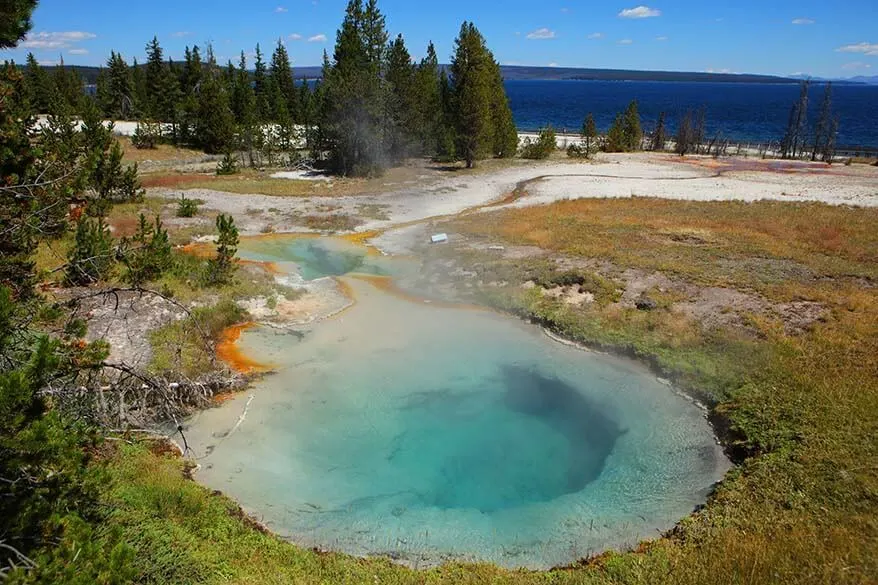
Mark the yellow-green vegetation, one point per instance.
(162, 152)
(187, 346)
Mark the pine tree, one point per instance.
(260, 88)
(15, 21)
(353, 119)
(283, 96)
(589, 134)
(658, 136)
(120, 100)
(39, 85)
(147, 255)
(402, 112)
(504, 130)
(471, 73)
(157, 80)
(243, 105)
(139, 90)
(221, 268)
(191, 77)
(214, 125)
(625, 134)
(428, 101)
(68, 88)
(446, 130)
(91, 257)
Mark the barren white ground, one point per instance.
(641, 175)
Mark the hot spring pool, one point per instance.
(429, 433)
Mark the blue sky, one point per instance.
(815, 37)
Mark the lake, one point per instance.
(741, 111)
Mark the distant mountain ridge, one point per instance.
(521, 73)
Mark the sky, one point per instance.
(780, 37)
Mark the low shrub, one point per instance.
(187, 207)
(542, 147)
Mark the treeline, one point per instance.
(373, 107)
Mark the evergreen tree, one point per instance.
(283, 96)
(471, 72)
(191, 77)
(221, 268)
(504, 130)
(157, 79)
(589, 134)
(14, 21)
(38, 84)
(139, 90)
(147, 254)
(260, 88)
(659, 138)
(243, 104)
(119, 96)
(68, 88)
(446, 132)
(214, 125)
(402, 97)
(91, 257)
(353, 119)
(428, 101)
(625, 134)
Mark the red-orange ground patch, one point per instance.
(228, 351)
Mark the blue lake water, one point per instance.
(741, 111)
(428, 433)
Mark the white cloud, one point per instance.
(281, 9)
(553, 64)
(856, 65)
(47, 63)
(78, 51)
(718, 71)
(541, 34)
(803, 21)
(321, 38)
(565, 10)
(626, 42)
(661, 38)
(55, 40)
(870, 49)
(595, 36)
(295, 37)
(180, 34)
(640, 12)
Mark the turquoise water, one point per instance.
(428, 433)
(314, 258)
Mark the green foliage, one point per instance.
(15, 21)
(146, 135)
(541, 148)
(470, 71)
(221, 268)
(187, 346)
(625, 134)
(355, 94)
(40, 90)
(187, 207)
(92, 255)
(659, 135)
(147, 254)
(214, 125)
(227, 166)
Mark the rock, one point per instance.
(645, 303)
